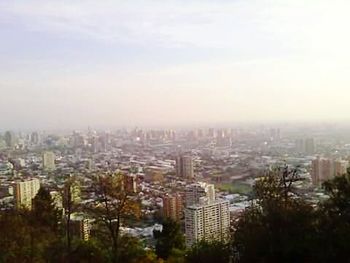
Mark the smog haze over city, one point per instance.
(174, 131)
(71, 64)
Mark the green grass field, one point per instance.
(235, 188)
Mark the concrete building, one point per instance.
(49, 161)
(154, 174)
(207, 221)
(130, 183)
(71, 194)
(10, 139)
(310, 148)
(6, 168)
(34, 138)
(173, 207)
(184, 167)
(80, 226)
(323, 169)
(340, 167)
(306, 146)
(25, 191)
(223, 142)
(57, 199)
(197, 191)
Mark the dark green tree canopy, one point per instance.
(279, 225)
(171, 237)
(208, 252)
(44, 212)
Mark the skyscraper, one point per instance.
(310, 146)
(340, 167)
(306, 146)
(184, 167)
(10, 139)
(173, 207)
(195, 192)
(34, 138)
(25, 191)
(323, 169)
(49, 161)
(210, 221)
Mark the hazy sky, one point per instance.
(112, 63)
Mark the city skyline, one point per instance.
(111, 64)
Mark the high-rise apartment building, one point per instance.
(184, 167)
(340, 167)
(223, 140)
(25, 191)
(80, 226)
(299, 145)
(323, 169)
(49, 161)
(306, 146)
(34, 138)
(173, 207)
(199, 191)
(10, 139)
(208, 221)
(71, 194)
(310, 146)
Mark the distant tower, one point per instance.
(10, 139)
(299, 146)
(173, 207)
(184, 167)
(49, 161)
(323, 169)
(340, 167)
(34, 138)
(310, 146)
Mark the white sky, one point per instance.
(116, 63)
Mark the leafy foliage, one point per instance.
(14, 237)
(207, 252)
(334, 221)
(112, 206)
(278, 226)
(169, 238)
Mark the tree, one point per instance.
(207, 252)
(112, 207)
(279, 226)
(132, 250)
(44, 211)
(334, 221)
(170, 238)
(29, 235)
(43, 222)
(86, 252)
(14, 237)
(71, 197)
